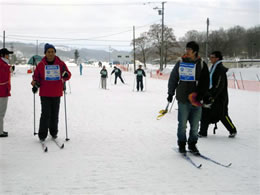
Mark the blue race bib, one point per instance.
(52, 72)
(187, 71)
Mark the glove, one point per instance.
(13, 68)
(169, 98)
(36, 87)
(65, 75)
(193, 99)
(208, 99)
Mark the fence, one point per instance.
(232, 82)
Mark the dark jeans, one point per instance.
(191, 114)
(49, 116)
(119, 77)
(139, 82)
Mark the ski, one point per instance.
(191, 161)
(216, 162)
(58, 143)
(185, 156)
(44, 147)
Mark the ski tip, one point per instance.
(62, 146)
(46, 149)
(229, 165)
(199, 166)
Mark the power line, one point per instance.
(71, 4)
(33, 37)
(203, 6)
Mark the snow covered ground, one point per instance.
(118, 147)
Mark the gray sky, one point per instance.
(110, 22)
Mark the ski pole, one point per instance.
(65, 110)
(145, 87)
(172, 104)
(34, 133)
(99, 83)
(134, 84)
(69, 86)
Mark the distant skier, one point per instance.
(104, 76)
(100, 64)
(139, 78)
(216, 100)
(50, 75)
(80, 68)
(118, 73)
(5, 86)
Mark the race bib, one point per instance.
(52, 72)
(104, 73)
(187, 71)
(139, 73)
(116, 70)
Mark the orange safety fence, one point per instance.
(244, 85)
(159, 75)
(122, 67)
(232, 83)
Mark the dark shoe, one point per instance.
(54, 137)
(182, 150)
(3, 135)
(4, 132)
(193, 149)
(42, 140)
(232, 135)
(201, 135)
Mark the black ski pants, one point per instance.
(120, 79)
(139, 82)
(49, 117)
(226, 121)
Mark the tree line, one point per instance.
(235, 42)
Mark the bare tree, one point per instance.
(170, 42)
(142, 48)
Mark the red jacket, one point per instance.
(5, 79)
(50, 77)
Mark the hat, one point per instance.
(5, 51)
(193, 45)
(48, 46)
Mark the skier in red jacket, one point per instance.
(5, 86)
(50, 75)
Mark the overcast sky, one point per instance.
(110, 22)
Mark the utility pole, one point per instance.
(134, 46)
(162, 45)
(4, 39)
(207, 41)
(161, 12)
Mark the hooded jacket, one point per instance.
(184, 88)
(51, 85)
(5, 79)
(219, 92)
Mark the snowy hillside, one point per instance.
(118, 147)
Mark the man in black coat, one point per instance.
(216, 101)
(139, 78)
(189, 76)
(118, 73)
